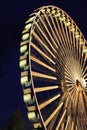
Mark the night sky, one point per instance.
(13, 15)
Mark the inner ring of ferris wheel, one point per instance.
(57, 59)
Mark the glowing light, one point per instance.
(25, 36)
(83, 82)
(36, 125)
(23, 63)
(84, 49)
(62, 18)
(31, 115)
(67, 23)
(28, 26)
(27, 97)
(23, 48)
(24, 79)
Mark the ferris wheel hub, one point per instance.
(79, 85)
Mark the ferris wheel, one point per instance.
(53, 64)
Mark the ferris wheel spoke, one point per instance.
(68, 83)
(62, 126)
(59, 30)
(61, 57)
(44, 35)
(83, 103)
(72, 125)
(53, 33)
(80, 52)
(62, 35)
(56, 31)
(71, 40)
(45, 88)
(52, 122)
(54, 113)
(59, 60)
(67, 77)
(61, 119)
(77, 46)
(42, 43)
(41, 75)
(40, 29)
(76, 128)
(41, 52)
(71, 88)
(73, 93)
(67, 122)
(66, 46)
(84, 72)
(83, 62)
(68, 73)
(47, 102)
(81, 57)
(62, 50)
(42, 63)
(51, 37)
(85, 76)
(85, 96)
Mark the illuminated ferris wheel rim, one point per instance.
(42, 9)
(30, 43)
(59, 9)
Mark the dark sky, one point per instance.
(13, 15)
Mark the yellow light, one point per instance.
(58, 14)
(62, 18)
(82, 41)
(31, 115)
(53, 11)
(36, 125)
(67, 23)
(25, 36)
(27, 98)
(72, 29)
(23, 63)
(43, 10)
(77, 36)
(31, 19)
(83, 82)
(84, 49)
(28, 26)
(24, 79)
(23, 48)
(48, 10)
